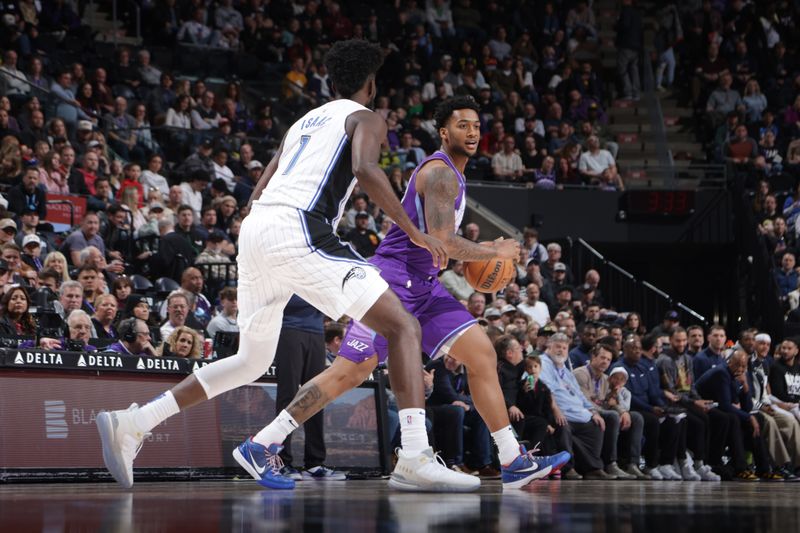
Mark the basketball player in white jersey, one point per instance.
(288, 246)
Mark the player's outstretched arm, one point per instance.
(367, 130)
(439, 186)
(272, 166)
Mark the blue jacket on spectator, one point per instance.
(652, 373)
(705, 360)
(719, 385)
(643, 395)
(579, 357)
(787, 281)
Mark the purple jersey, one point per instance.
(397, 244)
(411, 275)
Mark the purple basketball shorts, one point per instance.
(441, 317)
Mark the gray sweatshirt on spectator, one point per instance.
(723, 101)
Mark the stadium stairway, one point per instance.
(654, 131)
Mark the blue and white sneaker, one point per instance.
(528, 467)
(292, 473)
(323, 473)
(264, 464)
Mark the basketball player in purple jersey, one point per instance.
(435, 202)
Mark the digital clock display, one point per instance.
(659, 203)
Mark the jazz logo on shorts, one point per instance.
(354, 273)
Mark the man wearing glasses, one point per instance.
(134, 339)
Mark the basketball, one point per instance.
(489, 276)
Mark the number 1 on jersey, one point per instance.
(303, 143)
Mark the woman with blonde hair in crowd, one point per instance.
(182, 342)
(105, 313)
(57, 262)
(10, 159)
(130, 201)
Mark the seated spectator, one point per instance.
(70, 297)
(217, 274)
(178, 309)
(723, 100)
(175, 252)
(28, 194)
(93, 286)
(533, 307)
(225, 321)
(121, 289)
(631, 422)
(15, 318)
(706, 426)
(194, 31)
(595, 387)
(208, 226)
(712, 356)
(545, 177)
(662, 432)
(205, 116)
(581, 425)
(132, 172)
(86, 235)
(360, 205)
(784, 375)
(192, 191)
(580, 355)
(244, 187)
(453, 280)
(182, 342)
(202, 311)
(786, 277)
(723, 385)
(507, 164)
(741, 149)
(104, 316)
(120, 131)
(31, 252)
(50, 174)
(79, 331)
(597, 166)
(450, 387)
(364, 240)
(134, 339)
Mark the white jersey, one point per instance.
(315, 171)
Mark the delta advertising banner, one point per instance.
(47, 420)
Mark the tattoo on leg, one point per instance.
(307, 402)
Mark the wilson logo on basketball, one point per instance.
(492, 276)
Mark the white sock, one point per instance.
(155, 411)
(413, 437)
(277, 430)
(507, 445)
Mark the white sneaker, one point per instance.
(427, 472)
(688, 473)
(121, 443)
(669, 473)
(706, 474)
(654, 474)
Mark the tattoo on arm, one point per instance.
(308, 401)
(440, 191)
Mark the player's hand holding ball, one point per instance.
(494, 274)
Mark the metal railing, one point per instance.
(623, 291)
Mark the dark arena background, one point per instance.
(645, 154)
